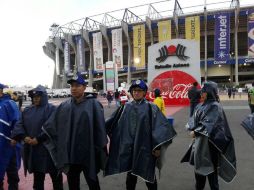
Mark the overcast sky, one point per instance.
(25, 28)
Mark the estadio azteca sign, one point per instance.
(172, 67)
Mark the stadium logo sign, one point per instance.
(172, 50)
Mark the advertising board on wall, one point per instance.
(80, 54)
(97, 51)
(117, 47)
(251, 33)
(173, 66)
(222, 38)
(67, 58)
(110, 76)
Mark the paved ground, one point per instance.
(176, 176)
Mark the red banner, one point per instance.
(174, 86)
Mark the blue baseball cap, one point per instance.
(138, 83)
(2, 86)
(78, 79)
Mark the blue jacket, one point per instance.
(9, 114)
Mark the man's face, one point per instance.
(138, 93)
(77, 90)
(36, 100)
(203, 96)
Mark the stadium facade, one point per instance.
(84, 45)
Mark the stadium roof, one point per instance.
(137, 14)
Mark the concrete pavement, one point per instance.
(177, 176)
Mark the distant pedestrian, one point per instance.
(18, 98)
(159, 101)
(37, 159)
(194, 97)
(251, 98)
(109, 98)
(117, 97)
(229, 92)
(233, 92)
(240, 91)
(10, 157)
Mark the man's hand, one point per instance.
(27, 140)
(13, 142)
(192, 134)
(34, 141)
(156, 153)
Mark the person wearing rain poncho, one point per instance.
(212, 152)
(10, 157)
(139, 134)
(77, 130)
(37, 159)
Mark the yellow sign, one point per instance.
(192, 28)
(164, 30)
(139, 46)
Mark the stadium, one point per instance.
(84, 45)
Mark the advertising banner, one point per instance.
(172, 67)
(80, 55)
(251, 33)
(110, 78)
(67, 58)
(57, 61)
(117, 47)
(164, 30)
(222, 38)
(98, 51)
(139, 46)
(192, 28)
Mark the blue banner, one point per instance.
(80, 55)
(67, 64)
(251, 33)
(222, 38)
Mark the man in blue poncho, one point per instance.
(139, 135)
(37, 159)
(9, 155)
(212, 152)
(77, 129)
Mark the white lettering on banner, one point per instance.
(223, 32)
(193, 28)
(178, 91)
(220, 62)
(249, 60)
(139, 42)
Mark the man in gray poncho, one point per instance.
(139, 133)
(77, 128)
(212, 152)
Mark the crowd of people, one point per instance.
(132, 140)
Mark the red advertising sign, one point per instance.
(174, 86)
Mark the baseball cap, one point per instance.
(78, 79)
(2, 86)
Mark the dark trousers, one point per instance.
(73, 178)
(251, 108)
(212, 178)
(39, 179)
(131, 182)
(192, 107)
(12, 174)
